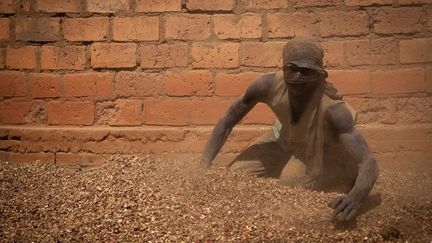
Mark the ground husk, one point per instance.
(147, 199)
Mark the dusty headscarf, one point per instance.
(304, 52)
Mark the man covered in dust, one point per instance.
(313, 143)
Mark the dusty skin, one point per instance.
(142, 199)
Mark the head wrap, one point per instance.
(304, 52)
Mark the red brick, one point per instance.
(260, 114)
(139, 141)
(98, 85)
(234, 84)
(62, 134)
(412, 110)
(416, 50)
(220, 55)
(2, 58)
(429, 19)
(68, 57)
(107, 6)
(257, 54)
(37, 29)
(167, 112)
(398, 20)
(316, 3)
(4, 156)
(429, 79)
(400, 81)
(85, 29)
(37, 113)
(300, 24)
(4, 28)
(25, 6)
(39, 142)
(263, 4)
(105, 112)
(11, 145)
(59, 6)
(44, 85)
(164, 56)
(158, 6)
(205, 112)
(31, 157)
(21, 57)
(136, 147)
(7, 6)
(210, 5)
(399, 134)
(154, 134)
(189, 83)
(113, 55)
(237, 26)
(333, 53)
(12, 84)
(128, 114)
(70, 113)
(371, 111)
(133, 84)
(117, 147)
(414, 1)
(371, 52)
(140, 28)
(187, 27)
(367, 2)
(350, 82)
(14, 112)
(344, 23)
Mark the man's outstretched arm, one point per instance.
(255, 93)
(345, 207)
(223, 128)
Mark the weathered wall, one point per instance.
(82, 79)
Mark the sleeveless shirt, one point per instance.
(309, 133)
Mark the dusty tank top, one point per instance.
(309, 132)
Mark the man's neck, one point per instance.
(299, 104)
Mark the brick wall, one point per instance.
(83, 79)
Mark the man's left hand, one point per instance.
(345, 208)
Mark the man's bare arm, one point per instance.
(346, 207)
(255, 93)
(223, 128)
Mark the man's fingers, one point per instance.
(351, 214)
(335, 202)
(344, 208)
(341, 206)
(343, 215)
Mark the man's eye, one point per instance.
(294, 70)
(307, 72)
(291, 69)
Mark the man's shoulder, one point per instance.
(269, 77)
(264, 84)
(340, 116)
(260, 89)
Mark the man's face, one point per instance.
(300, 80)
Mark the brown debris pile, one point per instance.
(145, 199)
